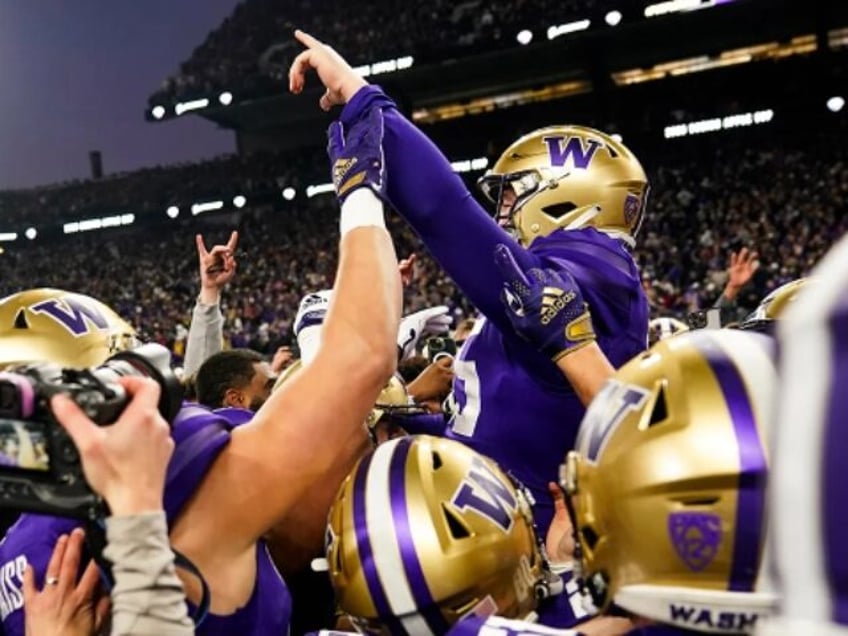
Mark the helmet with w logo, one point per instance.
(51, 325)
(567, 177)
(425, 531)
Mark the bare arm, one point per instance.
(587, 370)
(306, 436)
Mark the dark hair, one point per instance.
(410, 368)
(222, 371)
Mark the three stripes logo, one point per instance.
(553, 301)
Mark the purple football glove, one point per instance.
(356, 155)
(545, 307)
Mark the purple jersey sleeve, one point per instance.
(424, 424)
(30, 541)
(438, 206)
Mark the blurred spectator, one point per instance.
(784, 202)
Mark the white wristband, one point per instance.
(361, 209)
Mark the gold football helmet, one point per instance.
(52, 325)
(662, 328)
(773, 306)
(668, 482)
(567, 177)
(287, 373)
(424, 531)
(393, 399)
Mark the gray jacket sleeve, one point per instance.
(724, 302)
(148, 598)
(205, 336)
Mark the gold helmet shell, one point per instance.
(287, 373)
(665, 327)
(392, 399)
(425, 530)
(57, 326)
(668, 482)
(568, 177)
(774, 305)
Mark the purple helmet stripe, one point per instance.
(833, 491)
(411, 565)
(366, 554)
(753, 468)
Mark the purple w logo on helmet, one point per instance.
(560, 148)
(73, 314)
(485, 493)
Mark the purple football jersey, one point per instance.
(510, 401)
(199, 436)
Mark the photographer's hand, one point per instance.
(124, 462)
(64, 607)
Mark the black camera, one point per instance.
(438, 346)
(40, 469)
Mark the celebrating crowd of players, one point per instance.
(524, 511)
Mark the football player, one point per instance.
(567, 198)
(809, 498)
(667, 484)
(427, 537)
(227, 486)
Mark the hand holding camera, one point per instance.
(125, 463)
(115, 416)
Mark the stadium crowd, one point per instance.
(251, 49)
(784, 203)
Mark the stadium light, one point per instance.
(617, 137)
(8, 236)
(613, 18)
(226, 98)
(289, 193)
(525, 36)
(470, 165)
(31, 233)
(158, 112)
(195, 104)
(200, 208)
(172, 211)
(386, 66)
(239, 201)
(836, 103)
(569, 27)
(714, 124)
(87, 225)
(321, 188)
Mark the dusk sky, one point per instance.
(75, 76)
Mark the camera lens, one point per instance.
(8, 398)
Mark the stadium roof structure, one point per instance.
(594, 61)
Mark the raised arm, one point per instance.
(306, 437)
(206, 331)
(423, 188)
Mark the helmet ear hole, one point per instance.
(20, 320)
(457, 528)
(660, 412)
(437, 461)
(589, 536)
(559, 210)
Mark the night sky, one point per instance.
(75, 76)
